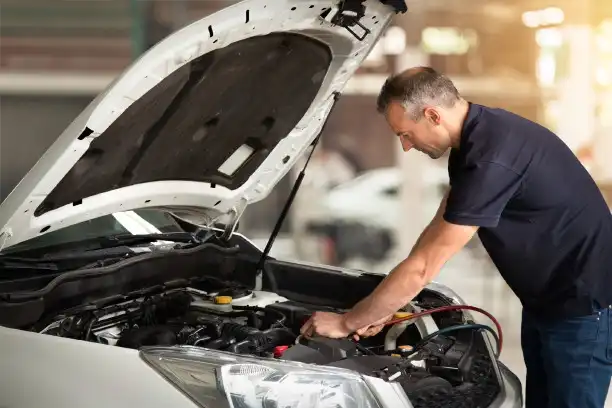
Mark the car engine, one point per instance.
(450, 370)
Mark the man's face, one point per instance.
(427, 135)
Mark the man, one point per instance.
(539, 215)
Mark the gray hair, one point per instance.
(415, 88)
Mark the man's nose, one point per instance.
(406, 145)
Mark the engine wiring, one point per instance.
(499, 337)
(473, 326)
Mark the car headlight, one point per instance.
(215, 379)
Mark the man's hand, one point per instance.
(333, 325)
(325, 324)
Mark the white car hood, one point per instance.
(255, 80)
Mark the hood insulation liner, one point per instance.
(240, 100)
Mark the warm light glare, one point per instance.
(549, 37)
(603, 48)
(448, 40)
(395, 41)
(603, 77)
(552, 15)
(545, 17)
(606, 26)
(546, 69)
(550, 40)
(603, 44)
(603, 37)
(531, 19)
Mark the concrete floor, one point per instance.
(479, 284)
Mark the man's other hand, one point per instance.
(326, 324)
(372, 329)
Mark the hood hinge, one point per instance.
(348, 15)
(236, 213)
(350, 12)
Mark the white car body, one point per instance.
(372, 198)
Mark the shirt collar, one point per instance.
(471, 120)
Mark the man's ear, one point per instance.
(432, 116)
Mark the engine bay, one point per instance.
(435, 365)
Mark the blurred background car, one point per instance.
(358, 219)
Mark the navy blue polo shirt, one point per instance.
(542, 218)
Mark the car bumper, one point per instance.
(511, 395)
(391, 395)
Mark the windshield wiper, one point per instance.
(128, 239)
(9, 265)
(79, 259)
(28, 263)
(66, 256)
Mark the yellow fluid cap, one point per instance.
(223, 300)
(400, 315)
(406, 348)
(395, 355)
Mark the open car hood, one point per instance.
(205, 122)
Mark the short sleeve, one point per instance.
(479, 193)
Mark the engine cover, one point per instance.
(320, 350)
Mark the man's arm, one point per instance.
(437, 244)
(477, 198)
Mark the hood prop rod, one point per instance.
(296, 186)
